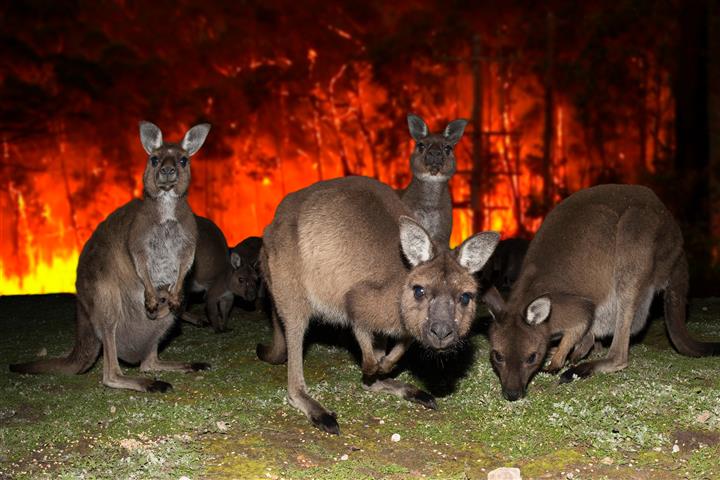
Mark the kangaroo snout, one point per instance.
(434, 161)
(513, 394)
(167, 175)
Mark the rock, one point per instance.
(113, 409)
(221, 426)
(344, 457)
(703, 417)
(676, 448)
(606, 461)
(395, 437)
(42, 352)
(505, 473)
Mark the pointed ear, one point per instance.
(150, 136)
(235, 260)
(494, 302)
(474, 252)
(538, 311)
(418, 127)
(454, 130)
(194, 138)
(415, 241)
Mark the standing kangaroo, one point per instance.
(433, 164)
(131, 271)
(220, 274)
(335, 250)
(591, 272)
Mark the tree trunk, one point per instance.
(549, 130)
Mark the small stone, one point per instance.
(42, 352)
(344, 457)
(113, 409)
(221, 426)
(606, 461)
(505, 473)
(703, 417)
(184, 478)
(382, 422)
(676, 448)
(395, 437)
(704, 309)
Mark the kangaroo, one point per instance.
(248, 252)
(131, 271)
(433, 164)
(335, 250)
(591, 272)
(220, 274)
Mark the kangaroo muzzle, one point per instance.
(167, 175)
(441, 329)
(434, 162)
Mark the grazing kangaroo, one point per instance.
(220, 274)
(591, 272)
(131, 271)
(335, 250)
(433, 164)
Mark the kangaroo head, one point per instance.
(437, 303)
(243, 278)
(518, 342)
(168, 167)
(433, 158)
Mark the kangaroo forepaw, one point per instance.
(174, 301)
(159, 386)
(327, 422)
(385, 366)
(583, 370)
(151, 309)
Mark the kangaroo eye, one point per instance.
(183, 161)
(532, 358)
(496, 357)
(465, 299)
(421, 147)
(448, 149)
(418, 291)
(154, 160)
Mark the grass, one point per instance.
(234, 422)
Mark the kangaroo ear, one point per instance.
(194, 138)
(454, 130)
(538, 311)
(494, 302)
(150, 136)
(476, 250)
(415, 241)
(418, 127)
(235, 260)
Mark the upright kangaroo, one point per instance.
(132, 269)
(591, 272)
(220, 274)
(335, 250)
(433, 164)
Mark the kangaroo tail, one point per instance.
(675, 313)
(81, 358)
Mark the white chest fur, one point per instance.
(166, 241)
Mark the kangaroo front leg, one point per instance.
(113, 376)
(570, 338)
(276, 353)
(388, 361)
(583, 348)
(175, 290)
(370, 363)
(297, 396)
(400, 389)
(152, 363)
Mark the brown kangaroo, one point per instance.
(335, 250)
(433, 164)
(220, 274)
(131, 271)
(591, 272)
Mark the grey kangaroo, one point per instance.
(591, 272)
(220, 274)
(131, 271)
(335, 250)
(433, 164)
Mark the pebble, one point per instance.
(505, 473)
(42, 352)
(344, 457)
(184, 478)
(113, 409)
(221, 426)
(606, 461)
(703, 417)
(395, 437)
(676, 448)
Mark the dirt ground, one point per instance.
(658, 419)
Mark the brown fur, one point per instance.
(433, 164)
(219, 274)
(591, 272)
(131, 271)
(333, 250)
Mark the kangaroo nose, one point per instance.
(512, 395)
(168, 171)
(441, 330)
